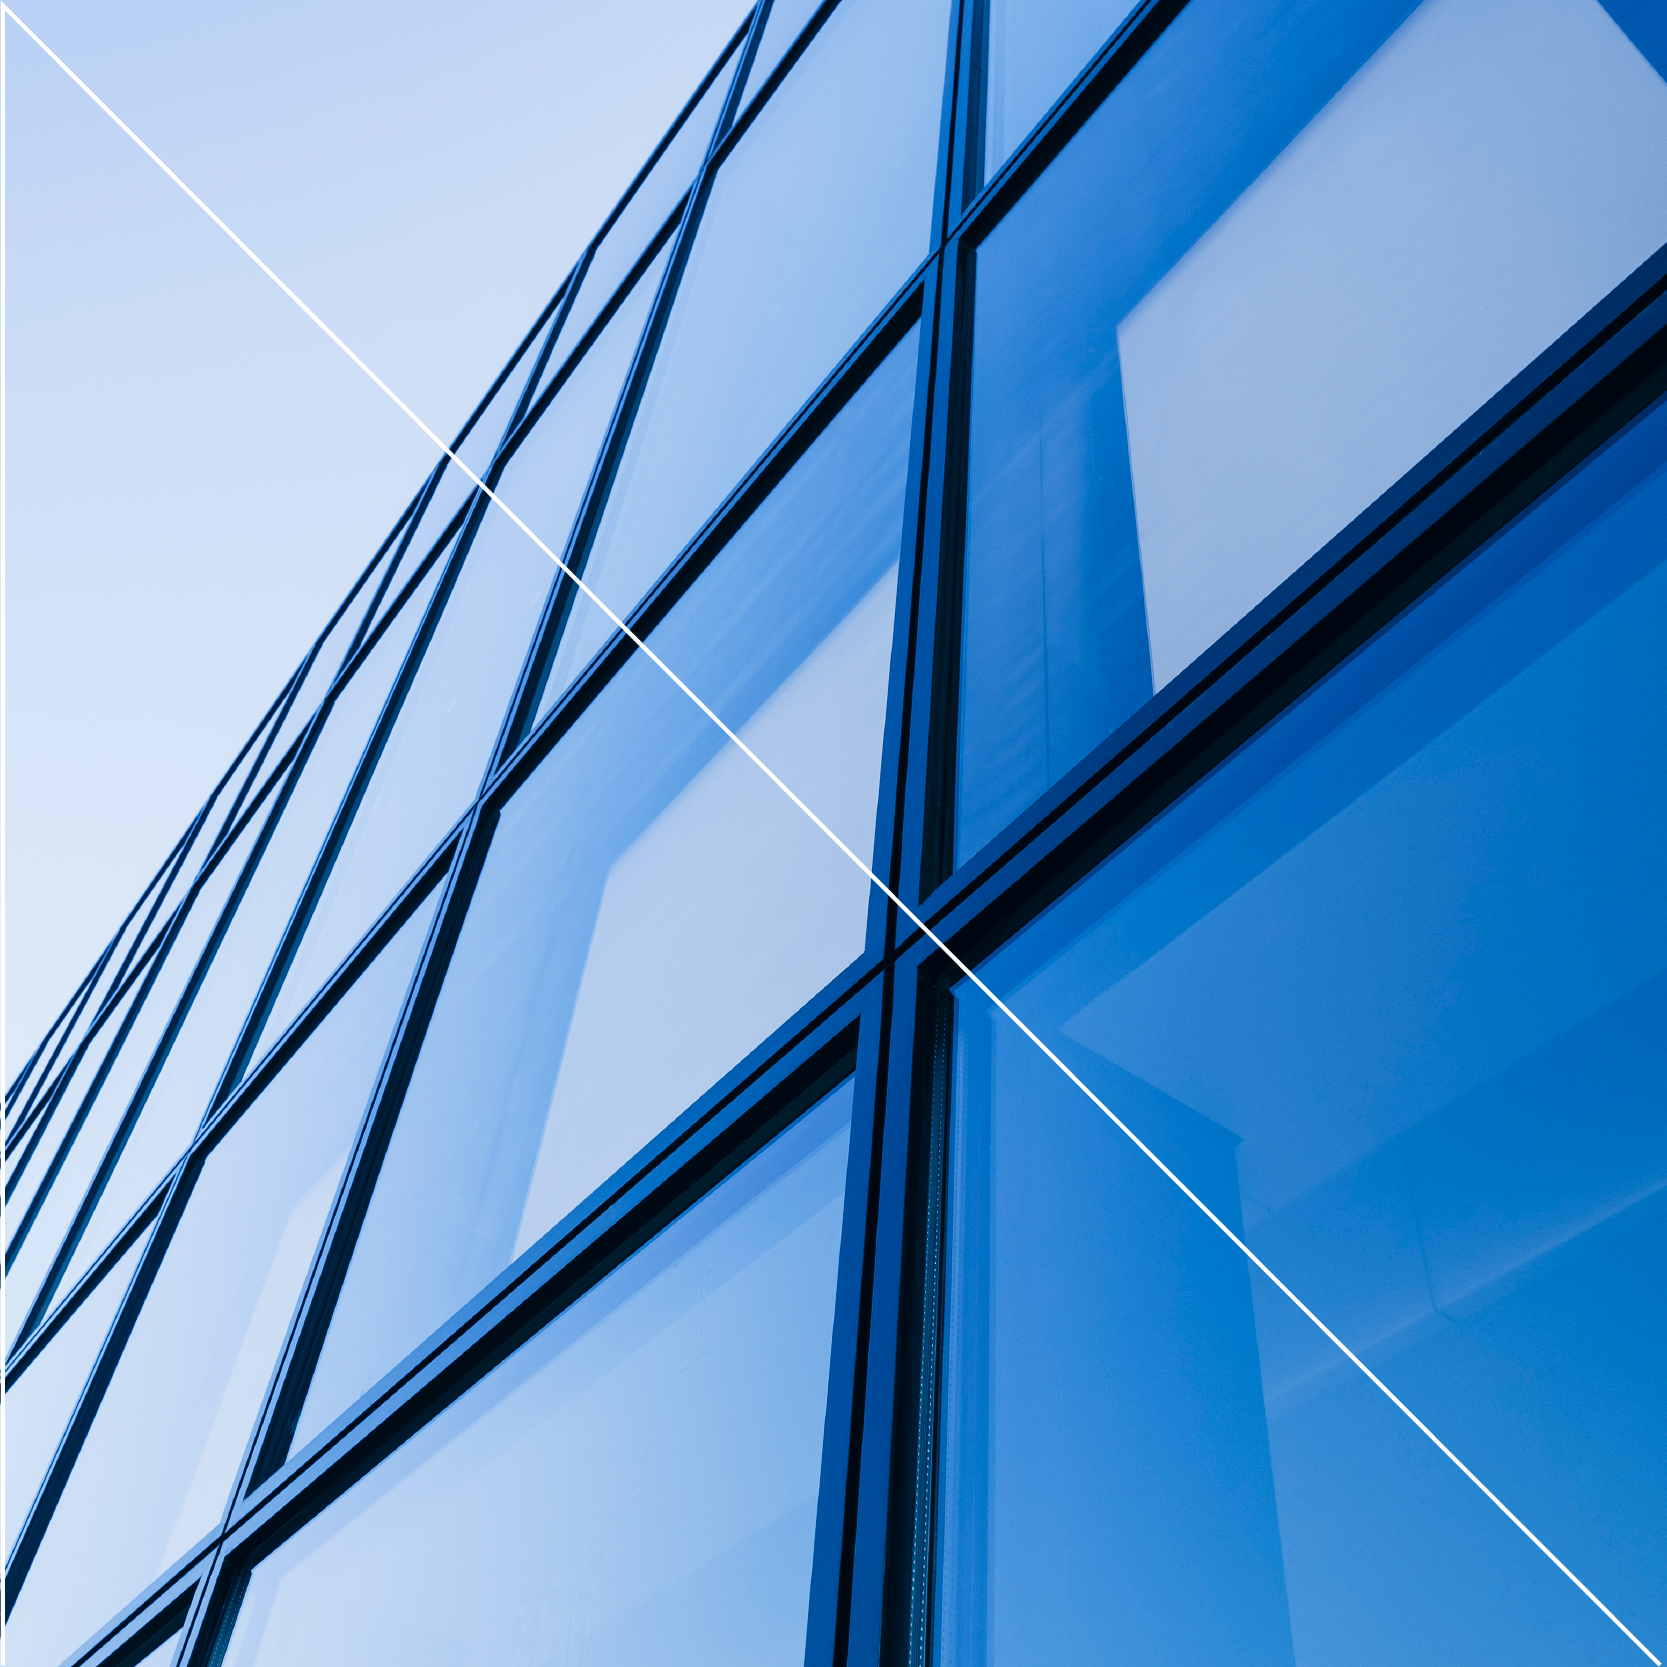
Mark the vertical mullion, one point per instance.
(558, 605)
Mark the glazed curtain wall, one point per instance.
(1176, 492)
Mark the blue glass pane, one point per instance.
(760, 319)
(59, 1123)
(34, 1258)
(159, 1462)
(180, 1100)
(641, 217)
(38, 1403)
(638, 1484)
(782, 27)
(1299, 244)
(1036, 49)
(434, 761)
(651, 907)
(1386, 991)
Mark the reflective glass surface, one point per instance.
(637, 1484)
(651, 907)
(82, 1162)
(1300, 243)
(164, 1448)
(1036, 49)
(180, 1099)
(433, 764)
(1386, 991)
(759, 321)
(38, 1403)
(624, 241)
(781, 28)
(29, 1167)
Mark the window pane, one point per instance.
(180, 1100)
(34, 1258)
(760, 320)
(782, 27)
(651, 908)
(38, 1403)
(624, 241)
(163, 1452)
(1387, 991)
(1036, 49)
(499, 1533)
(432, 766)
(1294, 250)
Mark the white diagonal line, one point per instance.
(903, 908)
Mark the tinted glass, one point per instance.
(759, 321)
(1036, 49)
(163, 1451)
(782, 27)
(1298, 245)
(432, 766)
(499, 1533)
(1387, 992)
(104, 1118)
(180, 1099)
(642, 216)
(651, 907)
(38, 1403)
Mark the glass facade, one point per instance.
(1055, 1056)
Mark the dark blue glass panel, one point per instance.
(637, 1484)
(434, 760)
(1386, 991)
(39, 1402)
(651, 907)
(1036, 49)
(1299, 244)
(158, 1464)
(761, 319)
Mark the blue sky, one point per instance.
(194, 473)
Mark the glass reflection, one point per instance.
(1036, 49)
(1386, 991)
(651, 907)
(499, 1534)
(158, 1464)
(1291, 253)
(39, 1402)
(433, 763)
(176, 1106)
(759, 321)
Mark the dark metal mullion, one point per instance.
(559, 603)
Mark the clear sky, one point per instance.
(194, 473)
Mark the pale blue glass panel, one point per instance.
(434, 761)
(651, 907)
(180, 1100)
(760, 319)
(782, 27)
(59, 1123)
(624, 241)
(1036, 49)
(159, 1462)
(81, 1164)
(1297, 247)
(38, 1403)
(637, 1484)
(1386, 991)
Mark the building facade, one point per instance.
(1049, 1060)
